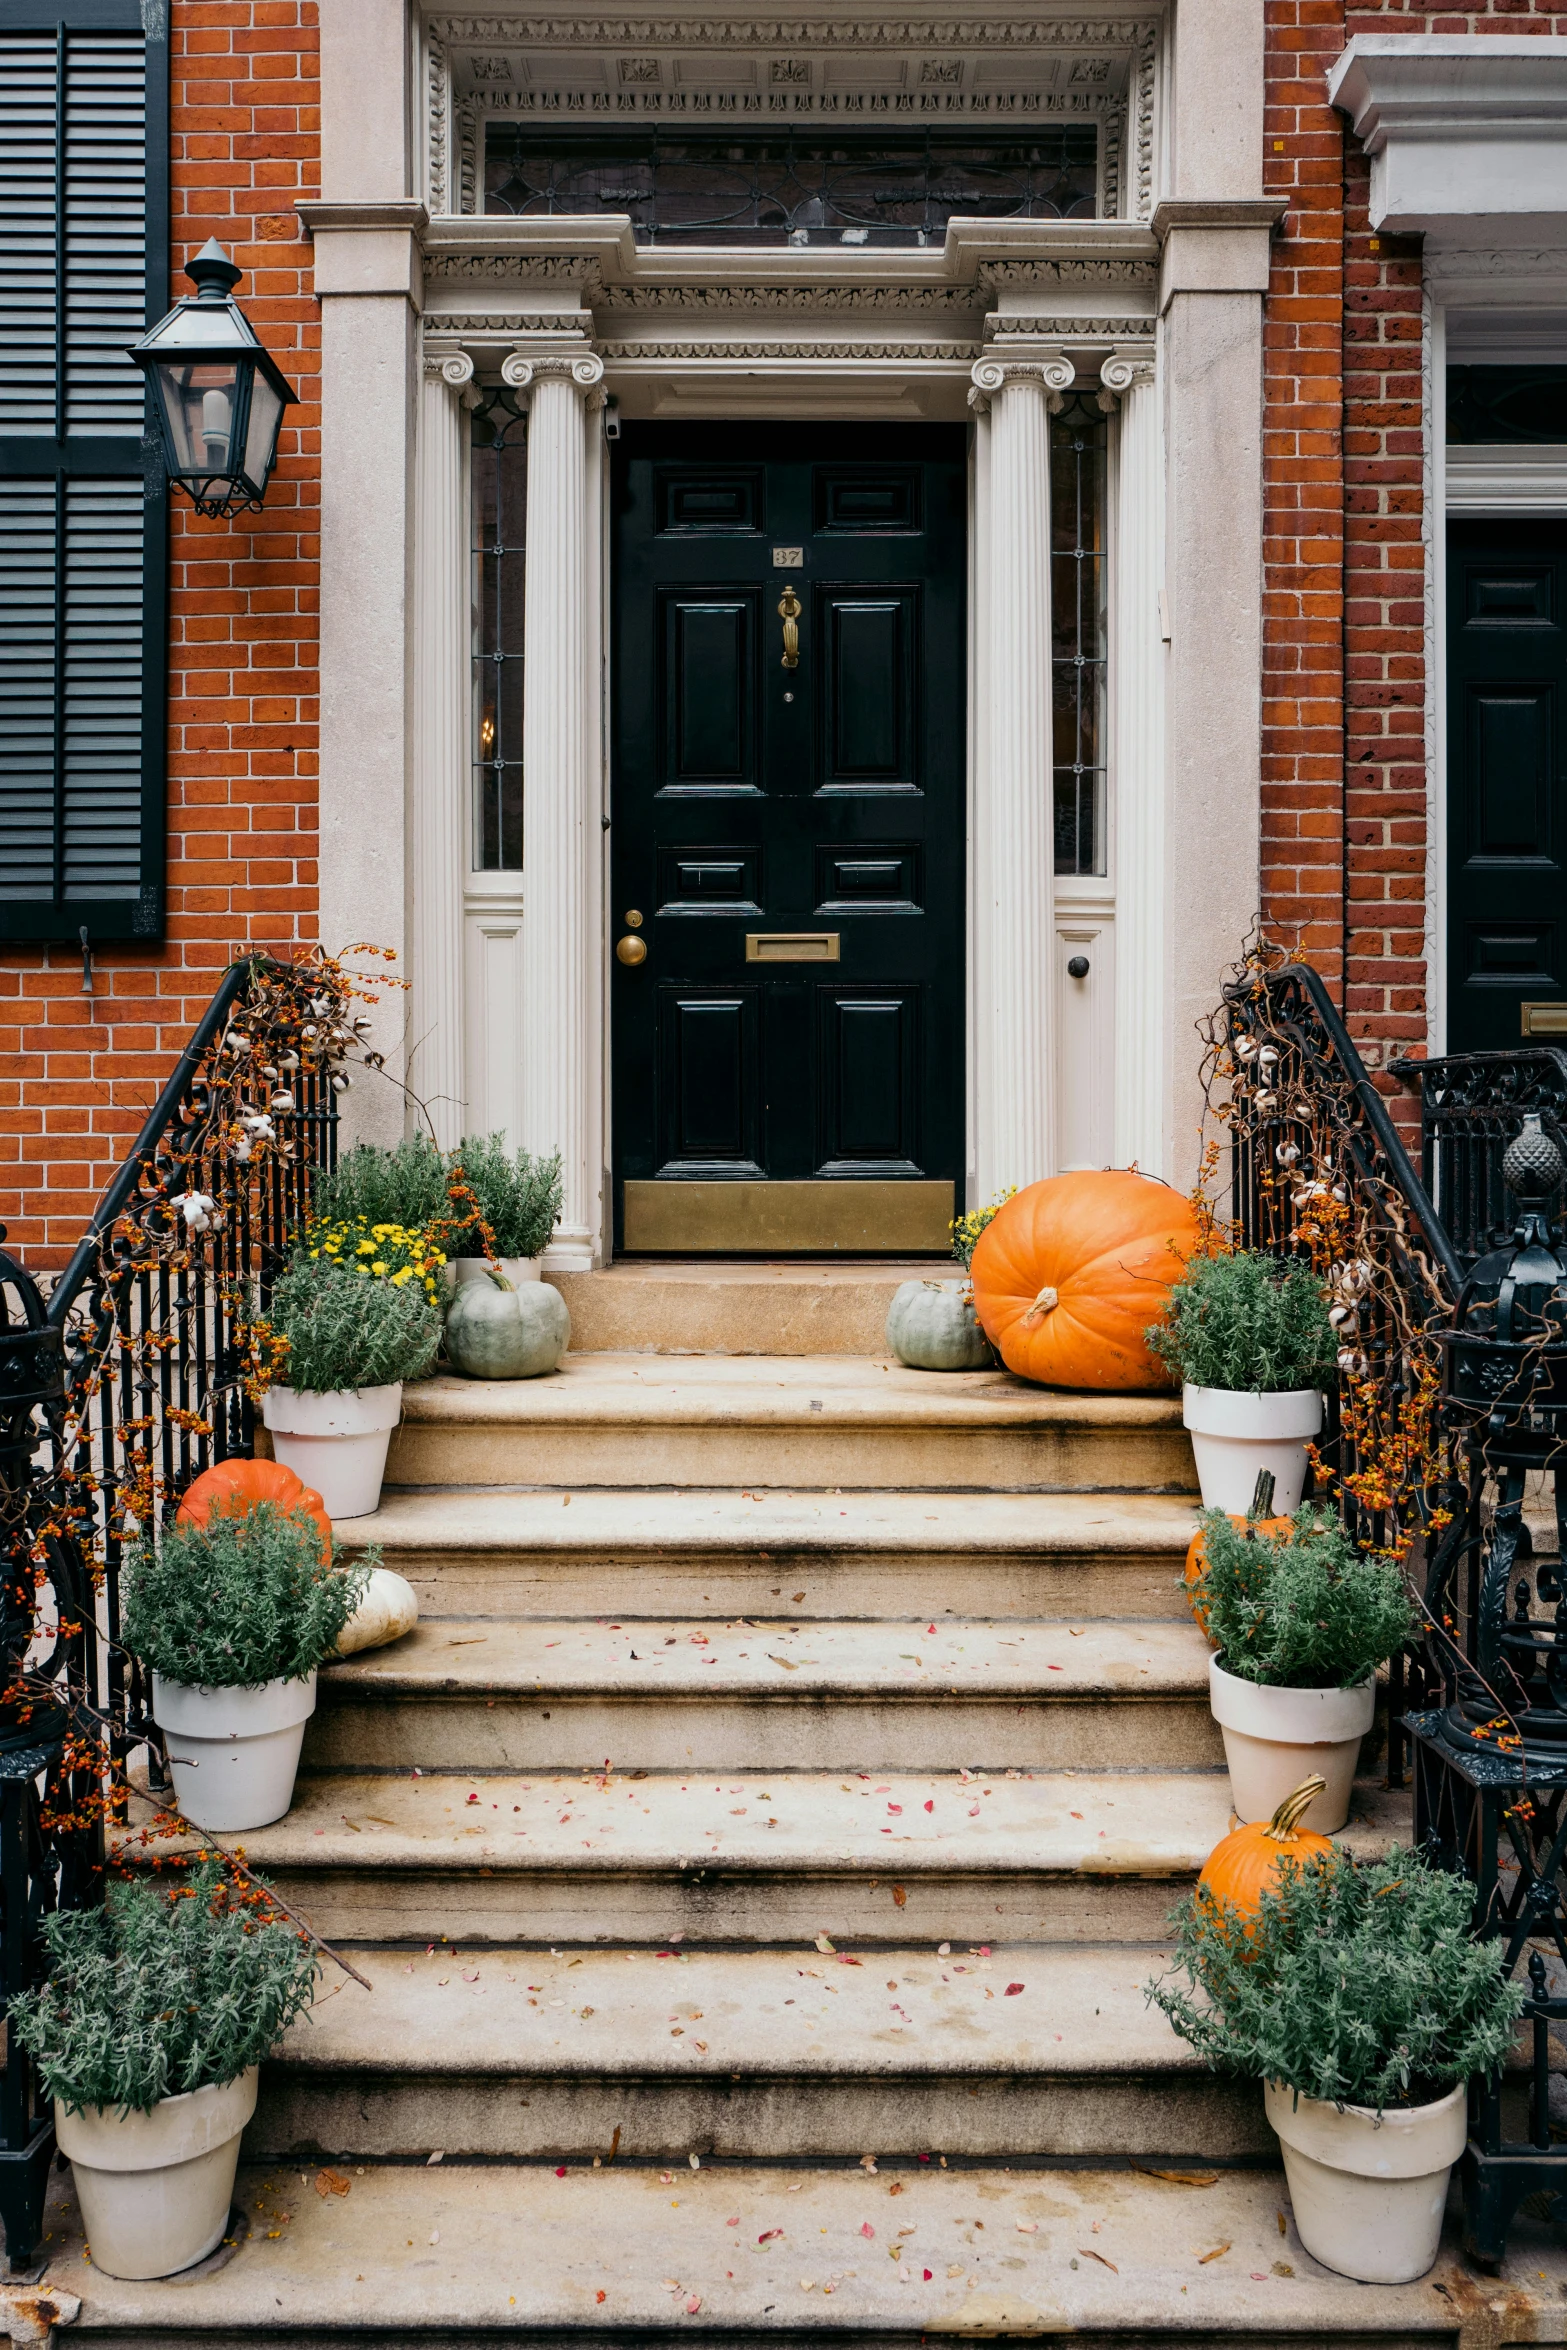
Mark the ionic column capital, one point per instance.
(521, 367)
(453, 367)
(1124, 369)
(1053, 369)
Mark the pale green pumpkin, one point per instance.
(931, 1327)
(496, 1332)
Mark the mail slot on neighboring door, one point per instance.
(791, 946)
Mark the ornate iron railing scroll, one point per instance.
(1472, 1105)
(114, 1394)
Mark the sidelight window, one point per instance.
(500, 507)
(1078, 587)
(793, 186)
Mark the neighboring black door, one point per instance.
(788, 840)
(1507, 782)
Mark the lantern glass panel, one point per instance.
(200, 399)
(266, 415)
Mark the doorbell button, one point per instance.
(633, 920)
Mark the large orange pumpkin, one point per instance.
(1245, 1864)
(234, 1487)
(1277, 1529)
(1070, 1273)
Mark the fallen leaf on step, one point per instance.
(1283, 2225)
(1086, 2252)
(899, 1896)
(823, 1944)
(768, 2234)
(1179, 2178)
(788, 1665)
(332, 2182)
(438, 2156)
(693, 2304)
(1028, 2227)
(1012, 1990)
(1217, 2253)
(866, 2229)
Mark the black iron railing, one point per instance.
(116, 1391)
(1472, 1105)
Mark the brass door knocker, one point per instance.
(789, 610)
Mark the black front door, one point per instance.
(788, 833)
(1507, 783)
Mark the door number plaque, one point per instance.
(788, 558)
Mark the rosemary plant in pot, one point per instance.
(1358, 1996)
(1248, 1337)
(353, 1330)
(1301, 1618)
(148, 2033)
(519, 1198)
(233, 1617)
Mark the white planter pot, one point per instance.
(1234, 1435)
(337, 1442)
(233, 1753)
(1369, 2190)
(156, 2188)
(517, 1270)
(1274, 1738)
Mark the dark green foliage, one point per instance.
(1303, 1611)
(165, 1989)
(1255, 1324)
(347, 1330)
(1359, 1984)
(404, 1186)
(519, 1197)
(246, 1598)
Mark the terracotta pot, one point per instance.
(1369, 2189)
(1234, 1435)
(156, 2188)
(1274, 1738)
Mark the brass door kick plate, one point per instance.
(791, 946)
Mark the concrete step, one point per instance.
(481, 1694)
(821, 1421)
(611, 1858)
(748, 2055)
(798, 1307)
(469, 2254)
(718, 1551)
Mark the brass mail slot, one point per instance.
(1544, 1019)
(791, 946)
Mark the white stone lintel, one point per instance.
(1467, 134)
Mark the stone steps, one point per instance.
(482, 1694)
(610, 1859)
(469, 2254)
(747, 2055)
(662, 1306)
(821, 1421)
(479, 1550)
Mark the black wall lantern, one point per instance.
(221, 397)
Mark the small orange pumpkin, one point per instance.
(1245, 1864)
(1278, 1529)
(234, 1487)
(1070, 1273)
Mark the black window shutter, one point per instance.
(84, 237)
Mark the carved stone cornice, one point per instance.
(508, 325)
(761, 32)
(553, 269)
(820, 301)
(1008, 334)
(1068, 272)
(746, 351)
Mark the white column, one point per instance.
(441, 750)
(1137, 740)
(1014, 1012)
(560, 1052)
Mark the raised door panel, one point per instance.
(707, 676)
(707, 1081)
(1508, 769)
(868, 1062)
(866, 704)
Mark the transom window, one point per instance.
(795, 187)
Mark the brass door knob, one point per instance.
(631, 950)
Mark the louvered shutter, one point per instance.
(83, 542)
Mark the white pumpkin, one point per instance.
(387, 1610)
(931, 1327)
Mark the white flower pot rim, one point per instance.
(232, 1710)
(108, 2138)
(1291, 1716)
(1266, 1415)
(338, 1411)
(1400, 2142)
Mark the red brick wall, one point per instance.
(77, 1075)
(1344, 683)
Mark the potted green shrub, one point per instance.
(1300, 1621)
(1359, 1998)
(519, 1198)
(233, 1616)
(404, 1186)
(351, 1339)
(157, 2011)
(931, 1323)
(1248, 1337)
